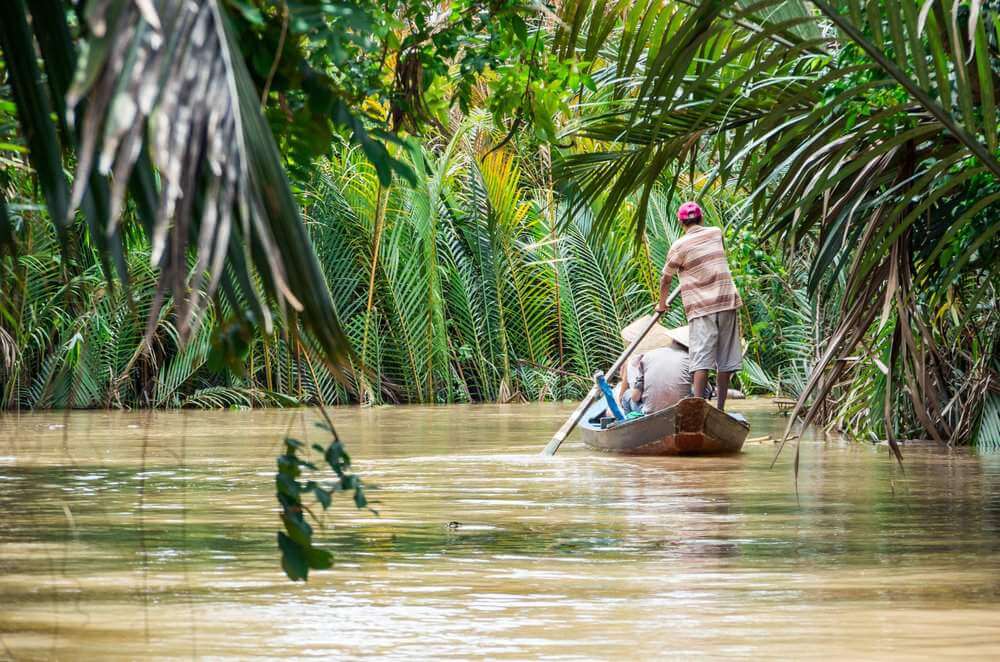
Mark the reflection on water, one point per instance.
(154, 534)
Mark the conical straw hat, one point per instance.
(658, 336)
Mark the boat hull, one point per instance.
(690, 427)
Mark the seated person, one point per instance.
(655, 380)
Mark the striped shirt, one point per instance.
(699, 258)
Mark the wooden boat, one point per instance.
(690, 427)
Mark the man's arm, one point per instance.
(672, 267)
(665, 281)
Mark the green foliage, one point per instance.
(369, 70)
(476, 295)
(298, 554)
(134, 124)
(165, 111)
(988, 435)
(76, 341)
(507, 304)
(464, 303)
(872, 152)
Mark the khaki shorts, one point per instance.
(714, 342)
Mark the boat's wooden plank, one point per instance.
(692, 426)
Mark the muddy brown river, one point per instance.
(128, 535)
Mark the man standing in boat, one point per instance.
(710, 298)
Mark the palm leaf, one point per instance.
(988, 436)
(34, 110)
(914, 88)
(168, 75)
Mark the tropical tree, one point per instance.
(461, 289)
(166, 114)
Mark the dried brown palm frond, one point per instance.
(8, 350)
(175, 82)
(163, 110)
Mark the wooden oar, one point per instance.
(574, 418)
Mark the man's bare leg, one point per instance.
(722, 385)
(699, 383)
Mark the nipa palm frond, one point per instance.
(163, 85)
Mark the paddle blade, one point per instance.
(554, 444)
(567, 427)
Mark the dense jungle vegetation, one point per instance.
(480, 195)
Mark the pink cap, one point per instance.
(689, 211)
